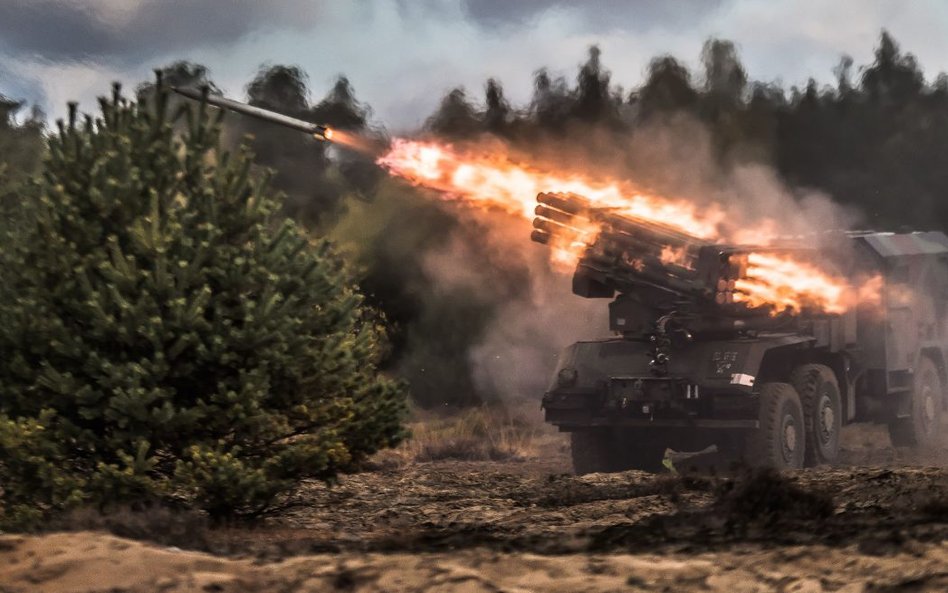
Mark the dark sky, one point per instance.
(130, 31)
(402, 55)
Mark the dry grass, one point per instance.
(476, 434)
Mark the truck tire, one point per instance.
(593, 451)
(780, 440)
(642, 450)
(822, 412)
(609, 450)
(921, 429)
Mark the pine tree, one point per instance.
(164, 336)
(21, 147)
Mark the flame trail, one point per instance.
(492, 180)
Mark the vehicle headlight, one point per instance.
(566, 377)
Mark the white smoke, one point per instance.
(533, 322)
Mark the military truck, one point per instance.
(690, 366)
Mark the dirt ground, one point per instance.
(876, 522)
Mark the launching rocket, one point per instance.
(317, 131)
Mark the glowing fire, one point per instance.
(787, 283)
(492, 180)
(673, 255)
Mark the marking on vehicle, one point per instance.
(723, 361)
(742, 379)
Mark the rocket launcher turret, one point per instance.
(621, 252)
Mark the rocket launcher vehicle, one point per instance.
(763, 350)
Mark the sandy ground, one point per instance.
(877, 522)
(84, 562)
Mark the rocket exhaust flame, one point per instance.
(494, 181)
(578, 227)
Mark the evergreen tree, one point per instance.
(667, 89)
(165, 337)
(497, 116)
(456, 117)
(594, 103)
(314, 184)
(21, 147)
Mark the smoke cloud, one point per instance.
(533, 313)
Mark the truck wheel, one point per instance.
(780, 441)
(608, 450)
(921, 428)
(641, 450)
(822, 412)
(593, 451)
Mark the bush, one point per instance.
(165, 338)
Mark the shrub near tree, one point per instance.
(165, 337)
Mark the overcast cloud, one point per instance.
(402, 55)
